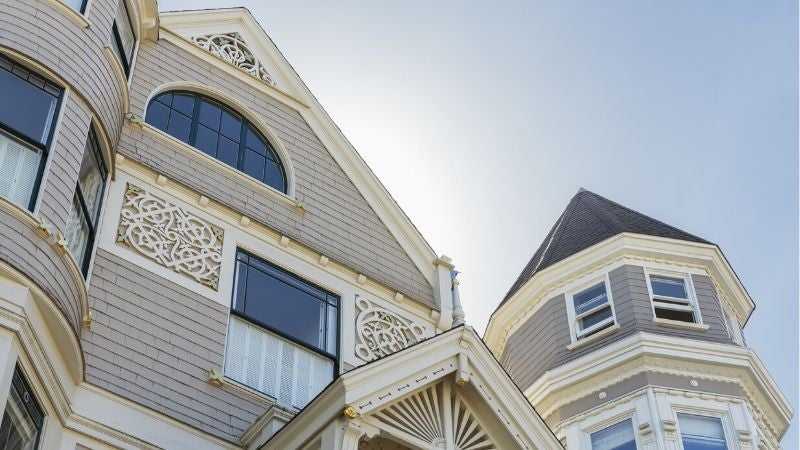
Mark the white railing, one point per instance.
(290, 373)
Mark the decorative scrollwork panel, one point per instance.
(170, 236)
(231, 48)
(381, 332)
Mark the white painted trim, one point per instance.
(119, 71)
(79, 19)
(691, 299)
(576, 333)
(235, 105)
(594, 337)
(680, 324)
(642, 250)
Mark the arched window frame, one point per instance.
(241, 110)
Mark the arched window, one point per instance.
(219, 132)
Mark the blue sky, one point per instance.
(484, 119)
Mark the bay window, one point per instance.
(82, 224)
(27, 119)
(283, 332)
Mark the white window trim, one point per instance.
(693, 304)
(575, 333)
(628, 414)
(722, 415)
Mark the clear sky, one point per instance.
(484, 118)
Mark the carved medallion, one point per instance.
(231, 48)
(381, 332)
(170, 236)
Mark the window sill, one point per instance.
(74, 16)
(679, 324)
(593, 337)
(215, 164)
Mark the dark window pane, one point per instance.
(165, 98)
(701, 433)
(179, 126)
(231, 126)
(284, 307)
(274, 176)
(228, 151)
(595, 318)
(206, 140)
(23, 418)
(209, 115)
(25, 108)
(670, 287)
(158, 115)
(184, 103)
(590, 298)
(254, 164)
(671, 314)
(255, 142)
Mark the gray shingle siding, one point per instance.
(43, 32)
(23, 249)
(338, 222)
(541, 343)
(153, 341)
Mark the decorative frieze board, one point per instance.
(380, 332)
(231, 48)
(171, 236)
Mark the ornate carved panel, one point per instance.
(231, 48)
(435, 417)
(170, 236)
(380, 332)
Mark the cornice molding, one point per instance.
(644, 352)
(622, 247)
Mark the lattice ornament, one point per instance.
(231, 48)
(170, 236)
(436, 417)
(381, 332)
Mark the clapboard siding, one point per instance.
(541, 343)
(337, 222)
(153, 341)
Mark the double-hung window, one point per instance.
(616, 437)
(701, 432)
(283, 332)
(82, 225)
(28, 111)
(23, 418)
(123, 37)
(672, 299)
(592, 310)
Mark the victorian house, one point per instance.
(193, 256)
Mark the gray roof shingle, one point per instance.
(588, 220)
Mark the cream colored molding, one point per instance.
(621, 249)
(232, 48)
(74, 16)
(663, 354)
(56, 241)
(220, 213)
(267, 89)
(380, 332)
(274, 413)
(170, 236)
(320, 122)
(214, 164)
